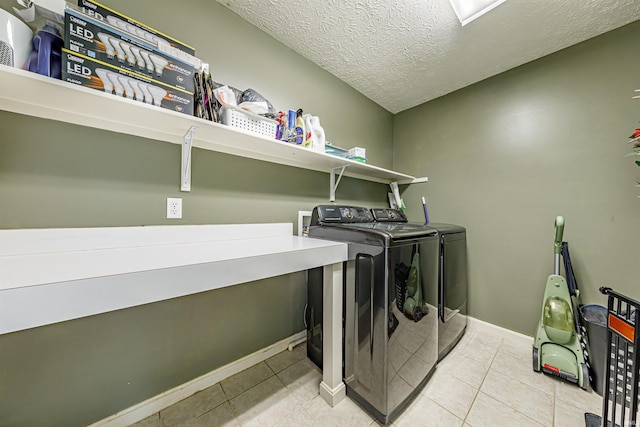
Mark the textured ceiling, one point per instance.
(402, 53)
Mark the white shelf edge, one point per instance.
(34, 95)
(72, 273)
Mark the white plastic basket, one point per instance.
(245, 120)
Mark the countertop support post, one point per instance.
(332, 389)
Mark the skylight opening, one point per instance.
(468, 10)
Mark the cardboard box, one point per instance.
(107, 44)
(357, 153)
(89, 72)
(105, 14)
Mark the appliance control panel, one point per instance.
(389, 215)
(324, 214)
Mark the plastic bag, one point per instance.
(225, 96)
(250, 95)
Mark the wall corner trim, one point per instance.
(477, 324)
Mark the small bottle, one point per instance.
(291, 127)
(299, 128)
(281, 133)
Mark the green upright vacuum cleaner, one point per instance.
(558, 347)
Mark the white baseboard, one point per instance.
(477, 324)
(157, 403)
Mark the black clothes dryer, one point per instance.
(450, 296)
(452, 288)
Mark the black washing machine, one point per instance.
(390, 349)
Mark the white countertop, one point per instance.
(52, 275)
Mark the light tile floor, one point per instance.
(486, 380)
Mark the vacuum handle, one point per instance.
(559, 230)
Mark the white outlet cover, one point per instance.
(174, 208)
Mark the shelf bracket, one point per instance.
(185, 167)
(333, 183)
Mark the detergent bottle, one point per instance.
(319, 139)
(310, 136)
(46, 57)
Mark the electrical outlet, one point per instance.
(174, 208)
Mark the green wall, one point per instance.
(506, 155)
(58, 175)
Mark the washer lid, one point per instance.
(447, 228)
(394, 230)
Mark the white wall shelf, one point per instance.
(34, 95)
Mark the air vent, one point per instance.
(6, 54)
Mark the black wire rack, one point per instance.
(620, 397)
